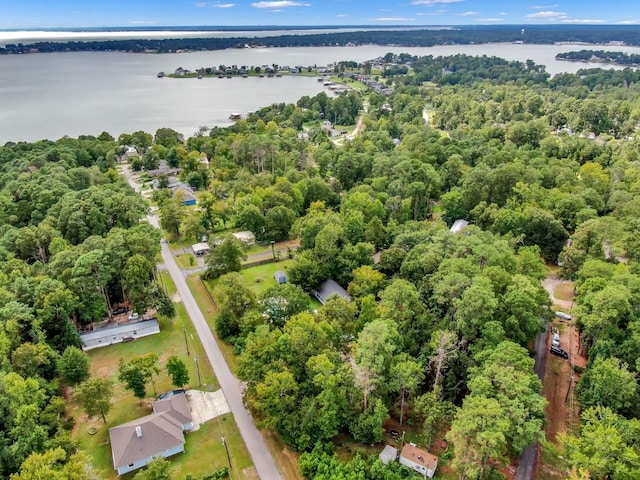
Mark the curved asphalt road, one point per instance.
(231, 386)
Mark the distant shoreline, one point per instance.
(157, 41)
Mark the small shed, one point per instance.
(280, 276)
(388, 454)
(201, 248)
(328, 289)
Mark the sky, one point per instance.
(34, 14)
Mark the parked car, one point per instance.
(119, 310)
(394, 434)
(556, 340)
(134, 316)
(563, 316)
(559, 352)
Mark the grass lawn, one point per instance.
(261, 278)
(564, 291)
(209, 311)
(204, 450)
(186, 260)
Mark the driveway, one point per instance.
(206, 405)
(550, 283)
(262, 459)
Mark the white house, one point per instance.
(201, 248)
(247, 237)
(419, 460)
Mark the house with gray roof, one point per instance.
(134, 444)
(328, 289)
(176, 406)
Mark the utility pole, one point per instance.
(224, 442)
(195, 357)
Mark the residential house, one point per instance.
(247, 237)
(201, 248)
(328, 289)
(134, 444)
(176, 406)
(103, 337)
(419, 460)
(187, 195)
(458, 225)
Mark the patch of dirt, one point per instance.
(175, 298)
(560, 382)
(286, 459)
(250, 473)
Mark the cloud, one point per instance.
(342, 15)
(224, 5)
(393, 19)
(467, 14)
(201, 4)
(142, 22)
(434, 2)
(544, 7)
(503, 13)
(628, 22)
(547, 14)
(583, 20)
(279, 4)
(489, 19)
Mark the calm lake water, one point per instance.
(56, 94)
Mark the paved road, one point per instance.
(231, 386)
(527, 462)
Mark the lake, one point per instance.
(55, 94)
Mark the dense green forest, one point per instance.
(617, 58)
(465, 34)
(440, 329)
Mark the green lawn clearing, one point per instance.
(261, 278)
(204, 452)
(564, 291)
(186, 260)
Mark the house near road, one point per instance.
(201, 248)
(247, 237)
(328, 289)
(419, 460)
(134, 444)
(185, 193)
(103, 337)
